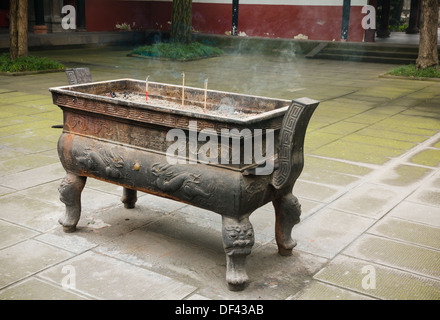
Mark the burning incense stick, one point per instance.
(146, 89)
(206, 92)
(183, 89)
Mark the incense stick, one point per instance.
(146, 89)
(206, 92)
(183, 89)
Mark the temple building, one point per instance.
(328, 20)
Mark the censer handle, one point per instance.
(290, 160)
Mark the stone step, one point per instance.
(363, 58)
(374, 53)
(365, 52)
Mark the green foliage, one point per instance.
(399, 28)
(178, 51)
(29, 63)
(412, 71)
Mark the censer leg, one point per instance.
(287, 214)
(129, 198)
(70, 194)
(238, 239)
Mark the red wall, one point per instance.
(355, 31)
(316, 22)
(212, 18)
(4, 21)
(103, 15)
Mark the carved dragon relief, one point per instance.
(96, 160)
(170, 180)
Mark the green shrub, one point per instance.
(411, 71)
(29, 63)
(178, 51)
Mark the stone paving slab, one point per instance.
(37, 289)
(390, 283)
(405, 256)
(12, 233)
(369, 193)
(28, 212)
(370, 200)
(33, 177)
(403, 175)
(327, 292)
(132, 283)
(329, 231)
(27, 258)
(417, 212)
(16, 163)
(415, 233)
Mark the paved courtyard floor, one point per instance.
(370, 192)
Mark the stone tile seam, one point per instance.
(38, 275)
(30, 121)
(8, 192)
(342, 96)
(22, 240)
(374, 223)
(43, 150)
(395, 161)
(75, 291)
(10, 91)
(419, 165)
(425, 204)
(346, 186)
(359, 132)
(26, 170)
(374, 264)
(37, 238)
(136, 266)
(406, 242)
(327, 205)
(345, 289)
(54, 284)
(352, 213)
(357, 114)
(350, 162)
(379, 219)
(189, 295)
(39, 270)
(26, 227)
(325, 265)
(17, 190)
(391, 267)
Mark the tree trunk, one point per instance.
(18, 29)
(13, 35)
(428, 50)
(181, 21)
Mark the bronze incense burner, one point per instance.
(127, 143)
